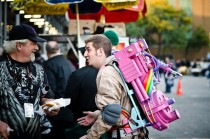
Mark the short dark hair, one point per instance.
(101, 41)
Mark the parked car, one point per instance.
(200, 68)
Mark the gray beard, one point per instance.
(32, 57)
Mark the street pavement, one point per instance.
(194, 108)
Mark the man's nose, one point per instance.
(85, 54)
(37, 47)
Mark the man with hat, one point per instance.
(21, 85)
(81, 88)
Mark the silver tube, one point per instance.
(17, 19)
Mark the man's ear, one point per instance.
(18, 46)
(100, 52)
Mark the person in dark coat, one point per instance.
(82, 92)
(58, 70)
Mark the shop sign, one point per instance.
(47, 9)
(120, 5)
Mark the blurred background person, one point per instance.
(58, 70)
(194, 65)
(169, 81)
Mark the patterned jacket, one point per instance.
(21, 83)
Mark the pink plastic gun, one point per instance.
(133, 65)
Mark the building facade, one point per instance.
(198, 9)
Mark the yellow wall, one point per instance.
(201, 13)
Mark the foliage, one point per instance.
(199, 38)
(163, 25)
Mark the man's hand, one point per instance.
(5, 130)
(175, 74)
(52, 112)
(83, 137)
(88, 119)
(51, 109)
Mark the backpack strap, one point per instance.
(134, 119)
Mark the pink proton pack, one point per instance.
(138, 68)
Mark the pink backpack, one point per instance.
(137, 67)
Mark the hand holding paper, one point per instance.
(56, 104)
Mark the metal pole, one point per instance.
(5, 20)
(1, 37)
(44, 30)
(78, 25)
(17, 17)
(81, 63)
